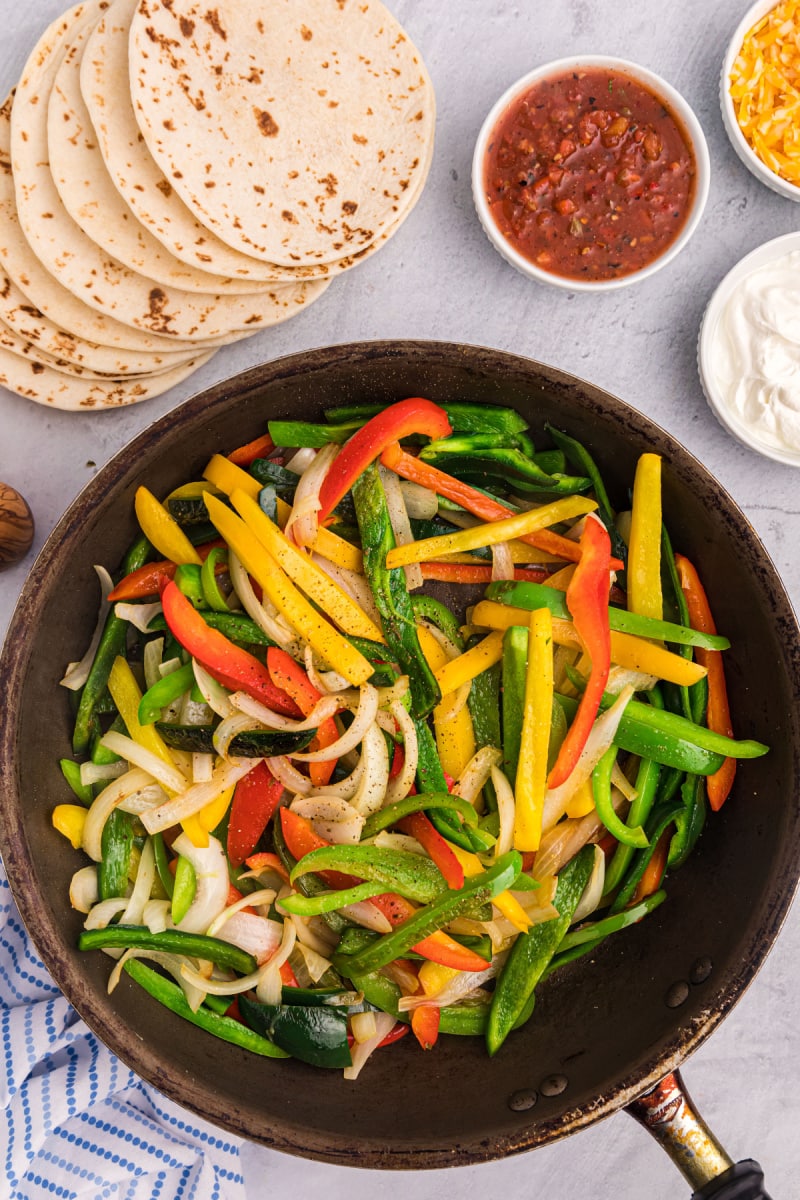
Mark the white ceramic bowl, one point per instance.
(739, 142)
(679, 108)
(709, 330)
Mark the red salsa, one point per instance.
(589, 175)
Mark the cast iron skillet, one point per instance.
(607, 1028)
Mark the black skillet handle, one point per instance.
(666, 1111)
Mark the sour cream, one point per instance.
(754, 355)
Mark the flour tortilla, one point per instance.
(81, 266)
(44, 293)
(24, 347)
(47, 386)
(86, 191)
(296, 135)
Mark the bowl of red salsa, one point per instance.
(590, 173)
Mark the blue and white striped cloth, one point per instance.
(79, 1124)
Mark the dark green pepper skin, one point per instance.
(660, 818)
(116, 845)
(254, 743)
(532, 952)
(314, 1033)
(515, 669)
(171, 941)
(238, 628)
(306, 433)
(463, 417)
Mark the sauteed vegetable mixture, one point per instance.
(386, 719)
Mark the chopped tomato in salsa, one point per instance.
(589, 175)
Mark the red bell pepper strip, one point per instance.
(264, 859)
(290, 677)
(587, 601)
(718, 715)
(231, 666)
(260, 447)
(415, 415)
(436, 847)
(149, 579)
(445, 572)
(288, 977)
(301, 838)
(400, 1030)
(255, 800)
(425, 1025)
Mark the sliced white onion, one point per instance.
(101, 772)
(620, 780)
(502, 561)
(384, 1024)
(303, 524)
(326, 706)
(138, 615)
(214, 694)
(281, 769)
(212, 883)
(317, 964)
(105, 803)
(593, 892)
(363, 720)
(346, 788)
(602, 735)
(153, 653)
(397, 841)
(202, 767)
(268, 988)
(400, 786)
(168, 667)
(228, 729)
(156, 914)
(363, 1026)
(146, 797)
(476, 772)
(352, 583)
(259, 936)
(307, 931)
(83, 889)
(460, 985)
(299, 463)
(505, 810)
(268, 623)
(366, 914)
(259, 899)
(564, 840)
(196, 796)
(78, 672)
(333, 818)
(145, 877)
(620, 677)
(451, 705)
(103, 914)
(371, 791)
(193, 712)
(400, 523)
(387, 696)
(450, 648)
(170, 778)
(421, 503)
(326, 682)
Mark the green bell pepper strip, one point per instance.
(431, 779)
(552, 462)
(646, 783)
(268, 503)
(235, 626)
(532, 951)
(208, 580)
(536, 595)
(514, 673)
(689, 823)
(384, 671)
(251, 743)
(672, 591)
(463, 417)
(325, 902)
(188, 580)
(171, 996)
(271, 474)
(307, 433)
(510, 467)
(99, 754)
(410, 875)
(598, 931)
(473, 443)
(163, 693)
(660, 818)
(390, 593)
(337, 997)
(116, 844)
(421, 802)
(314, 1033)
(440, 615)
(162, 864)
(170, 941)
(111, 645)
(627, 834)
(184, 890)
(447, 906)
(72, 773)
(465, 1020)
(309, 885)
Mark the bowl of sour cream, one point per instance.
(749, 350)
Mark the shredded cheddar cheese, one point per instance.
(765, 89)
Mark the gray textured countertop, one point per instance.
(439, 278)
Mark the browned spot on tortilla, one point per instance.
(5, 166)
(37, 368)
(258, 188)
(47, 216)
(357, 137)
(325, 66)
(330, 183)
(418, 116)
(254, 76)
(165, 187)
(209, 183)
(349, 207)
(381, 155)
(170, 125)
(260, 26)
(305, 33)
(177, 174)
(187, 27)
(293, 174)
(157, 300)
(212, 18)
(289, 216)
(265, 123)
(252, 320)
(333, 104)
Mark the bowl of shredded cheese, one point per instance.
(760, 94)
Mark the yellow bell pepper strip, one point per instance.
(415, 415)
(531, 780)
(718, 713)
(582, 803)
(507, 904)
(326, 641)
(468, 665)
(627, 650)
(337, 550)
(587, 600)
(644, 552)
(126, 695)
(455, 737)
(226, 476)
(517, 525)
(69, 820)
(201, 824)
(162, 530)
(230, 665)
(333, 601)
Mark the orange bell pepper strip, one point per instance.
(301, 838)
(255, 799)
(436, 847)
(450, 572)
(415, 415)
(718, 716)
(425, 1025)
(290, 677)
(148, 580)
(230, 665)
(265, 858)
(476, 502)
(587, 601)
(245, 455)
(654, 871)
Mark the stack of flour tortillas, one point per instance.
(174, 177)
